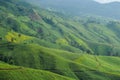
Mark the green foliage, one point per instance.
(49, 41)
(69, 34)
(8, 72)
(68, 64)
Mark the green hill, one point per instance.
(8, 72)
(55, 46)
(73, 65)
(51, 29)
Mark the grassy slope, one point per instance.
(60, 31)
(73, 65)
(25, 30)
(8, 72)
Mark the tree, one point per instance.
(0, 38)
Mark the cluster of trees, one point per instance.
(7, 59)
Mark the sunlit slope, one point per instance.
(9, 72)
(53, 29)
(73, 65)
(53, 44)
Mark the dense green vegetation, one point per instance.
(72, 65)
(55, 46)
(8, 72)
(51, 29)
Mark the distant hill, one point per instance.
(82, 7)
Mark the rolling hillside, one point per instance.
(38, 44)
(55, 30)
(72, 65)
(8, 72)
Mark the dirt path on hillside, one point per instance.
(20, 68)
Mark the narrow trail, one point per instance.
(72, 70)
(98, 62)
(11, 68)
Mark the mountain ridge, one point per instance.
(78, 8)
